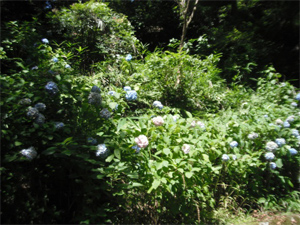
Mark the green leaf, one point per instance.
(17, 143)
(205, 157)
(155, 184)
(135, 184)
(117, 153)
(189, 114)
(49, 151)
(189, 174)
(167, 151)
(279, 163)
(109, 158)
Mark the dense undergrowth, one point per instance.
(139, 137)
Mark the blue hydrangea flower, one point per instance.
(40, 119)
(55, 59)
(59, 125)
(40, 106)
(96, 89)
(52, 88)
(273, 165)
(234, 144)
(127, 88)
(29, 153)
(280, 141)
(95, 98)
(67, 66)
(32, 113)
(91, 141)
(131, 95)
(128, 57)
(25, 101)
(34, 68)
(295, 132)
(298, 97)
(269, 156)
(105, 113)
(48, 5)
(102, 151)
(266, 116)
(45, 41)
(158, 104)
(290, 119)
(294, 104)
(225, 157)
(137, 149)
(111, 93)
(271, 146)
(233, 157)
(286, 124)
(293, 151)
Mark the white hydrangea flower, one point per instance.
(279, 122)
(29, 153)
(271, 146)
(253, 136)
(186, 148)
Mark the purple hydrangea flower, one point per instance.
(25, 101)
(34, 68)
(111, 93)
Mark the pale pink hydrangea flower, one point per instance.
(186, 148)
(158, 121)
(141, 141)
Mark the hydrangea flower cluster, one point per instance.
(51, 88)
(40, 106)
(158, 104)
(271, 146)
(273, 166)
(112, 93)
(295, 133)
(131, 95)
(45, 41)
(269, 156)
(34, 68)
(102, 151)
(59, 125)
(127, 88)
(25, 101)
(280, 142)
(91, 141)
(297, 97)
(141, 141)
(294, 104)
(136, 148)
(286, 124)
(29, 153)
(293, 151)
(105, 113)
(290, 119)
(158, 121)
(186, 148)
(234, 144)
(96, 89)
(128, 57)
(40, 119)
(95, 96)
(225, 157)
(198, 123)
(253, 136)
(32, 113)
(67, 66)
(54, 59)
(278, 122)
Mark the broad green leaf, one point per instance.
(205, 157)
(279, 163)
(189, 174)
(17, 143)
(49, 151)
(109, 158)
(167, 151)
(135, 184)
(117, 153)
